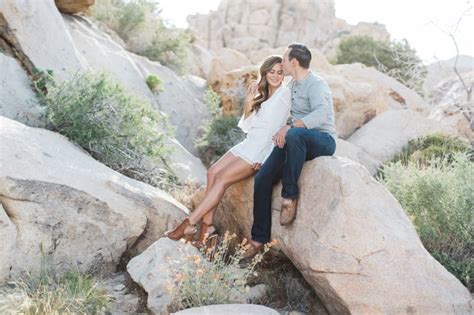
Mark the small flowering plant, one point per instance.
(215, 276)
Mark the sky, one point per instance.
(423, 23)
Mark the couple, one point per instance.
(273, 148)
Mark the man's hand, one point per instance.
(279, 137)
(256, 166)
(299, 123)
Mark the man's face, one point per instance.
(286, 64)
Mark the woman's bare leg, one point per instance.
(218, 166)
(234, 172)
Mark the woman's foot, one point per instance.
(185, 230)
(206, 233)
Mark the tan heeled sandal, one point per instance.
(180, 231)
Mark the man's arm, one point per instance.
(320, 100)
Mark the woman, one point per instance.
(264, 114)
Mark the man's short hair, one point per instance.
(301, 53)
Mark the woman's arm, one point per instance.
(248, 102)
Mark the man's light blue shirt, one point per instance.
(311, 101)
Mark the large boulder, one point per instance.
(17, 100)
(42, 35)
(154, 270)
(59, 202)
(355, 102)
(451, 105)
(74, 6)
(161, 265)
(225, 60)
(357, 154)
(179, 99)
(182, 105)
(353, 243)
(388, 133)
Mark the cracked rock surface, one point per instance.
(57, 201)
(353, 243)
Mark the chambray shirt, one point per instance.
(311, 101)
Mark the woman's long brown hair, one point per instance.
(262, 87)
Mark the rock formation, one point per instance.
(250, 25)
(59, 202)
(353, 243)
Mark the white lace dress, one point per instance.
(261, 126)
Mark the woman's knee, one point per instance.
(212, 172)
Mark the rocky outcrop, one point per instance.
(353, 244)
(158, 269)
(388, 133)
(78, 45)
(42, 35)
(59, 202)
(153, 271)
(17, 100)
(102, 53)
(357, 154)
(250, 25)
(450, 105)
(74, 6)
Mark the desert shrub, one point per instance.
(439, 197)
(217, 276)
(396, 58)
(219, 136)
(220, 133)
(424, 149)
(170, 47)
(154, 83)
(139, 24)
(213, 101)
(124, 17)
(50, 293)
(116, 127)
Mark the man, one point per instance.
(310, 133)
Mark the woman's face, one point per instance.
(274, 77)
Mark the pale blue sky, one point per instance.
(411, 19)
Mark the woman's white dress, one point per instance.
(261, 126)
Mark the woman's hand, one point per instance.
(252, 90)
(251, 93)
(256, 166)
(279, 137)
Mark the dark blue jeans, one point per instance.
(301, 145)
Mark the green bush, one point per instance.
(396, 59)
(424, 149)
(213, 102)
(117, 128)
(138, 23)
(439, 197)
(154, 83)
(221, 135)
(170, 47)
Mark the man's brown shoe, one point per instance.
(288, 211)
(251, 251)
